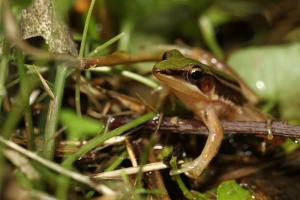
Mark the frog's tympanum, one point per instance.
(211, 95)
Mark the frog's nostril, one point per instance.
(156, 70)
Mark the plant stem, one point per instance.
(179, 181)
(81, 54)
(3, 72)
(117, 161)
(85, 29)
(13, 118)
(3, 75)
(139, 78)
(62, 187)
(77, 93)
(17, 109)
(134, 76)
(127, 26)
(96, 51)
(53, 111)
(23, 89)
(208, 33)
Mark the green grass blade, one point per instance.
(81, 54)
(86, 27)
(142, 79)
(208, 33)
(53, 110)
(134, 76)
(103, 137)
(3, 72)
(98, 49)
(23, 88)
(186, 192)
(118, 160)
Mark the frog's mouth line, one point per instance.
(177, 73)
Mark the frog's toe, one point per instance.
(189, 169)
(178, 171)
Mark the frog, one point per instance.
(211, 94)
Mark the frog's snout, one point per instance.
(156, 70)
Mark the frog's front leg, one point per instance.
(195, 168)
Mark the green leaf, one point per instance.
(78, 127)
(230, 190)
(289, 146)
(273, 72)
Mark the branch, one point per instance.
(192, 126)
(174, 125)
(118, 58)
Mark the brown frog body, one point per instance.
(211, 95)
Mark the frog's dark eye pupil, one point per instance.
(195, 75)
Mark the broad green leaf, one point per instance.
(273, 72)
(230, 190)
(78, 127)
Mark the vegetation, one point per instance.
(76, 90)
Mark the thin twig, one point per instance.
(131, 170)
(55, 167)
(44, 83)
(131, 154)
(22, 163)
(118, 58)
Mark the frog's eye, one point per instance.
(165, 56)
(195, 74)
(174, 53)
